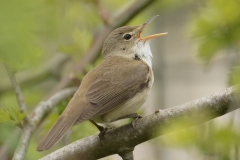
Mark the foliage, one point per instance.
(81, 19)
(20, 25)
(31, 32)
(209, 139)
(216, 27)
(11, 115)
(28, 27)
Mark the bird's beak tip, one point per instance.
(151, 36)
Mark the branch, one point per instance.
(127, 154)
(151, 126)
(34, 118)
(17, 90)
(6, 146)
(46, 106)
(22, 147)
(120, 18)
(28, 78)
(102, 12)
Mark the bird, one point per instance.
(115, 88)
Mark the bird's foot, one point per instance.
(137, 116)
(102, 130)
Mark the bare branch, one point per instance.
(28, 78)
(146, 128)
(127, 154)
(120, 18)
(22, 147)
(33, 119)
(5, 150)
(17, 90)
(45, 106)
(102, 12)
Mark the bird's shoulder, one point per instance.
(122, 67)
(116, 70)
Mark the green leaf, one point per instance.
(80, 42)
(11, 115)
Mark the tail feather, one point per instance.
(56, 133)
(68, 118)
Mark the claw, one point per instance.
(102, 130)
(138, 116)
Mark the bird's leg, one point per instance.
(135, 116)
(101, 129)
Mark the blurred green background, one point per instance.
(41, 40)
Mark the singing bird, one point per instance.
(113, 90)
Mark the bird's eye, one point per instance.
(127, 36)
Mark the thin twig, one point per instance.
(3, 152)
(22, 147)
(50, 69)
(154, 125)
(34, 118)
(102, 12)
(17, 90)
(5, 149)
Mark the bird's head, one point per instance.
(126, 41)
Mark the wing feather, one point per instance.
(109, 91)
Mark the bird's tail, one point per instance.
(57, 131)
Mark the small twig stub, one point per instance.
(17, 90)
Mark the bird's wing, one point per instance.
(120, 81)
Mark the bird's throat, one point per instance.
(143, 51)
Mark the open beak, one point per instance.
(151, 36)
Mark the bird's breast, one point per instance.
(128, 107)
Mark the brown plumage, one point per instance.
(117, 87)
